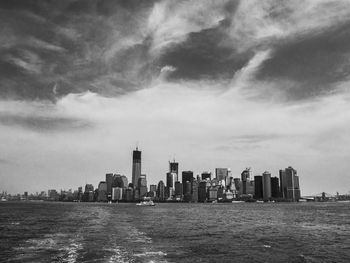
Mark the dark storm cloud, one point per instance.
(72, 45)
(202, 56)
(54, 48)
(43, 123)
(312, 65)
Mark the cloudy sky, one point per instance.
(261, 84)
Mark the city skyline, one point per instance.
(235, 84)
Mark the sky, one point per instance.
(260, 84)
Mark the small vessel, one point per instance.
(237, 202)
(146, 202)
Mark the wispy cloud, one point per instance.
(170, 22)
(261, 23)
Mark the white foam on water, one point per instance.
(44, 243)
(72, 251)
(138, 236)
(67, 249)
(152, 256)
(120, 255)
(150, 253)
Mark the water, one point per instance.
(246, 232)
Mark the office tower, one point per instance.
(296, 187)
(170, 179)
(283, 184)
(231, 184)
(237, 183)
(53, 195)
(136, 194)
(178, 189)
(109, 182)
(245, 177)
(250, 188)
(174, 168)
(129, 194)
(221, 173)
(228, 178)
(187, 191)
(89, 188)
(117, 182)
(89, 193)
(142, 185)
(102, 192)
(213, 193)
(136, 166)
(266, 182)
(202, 191)
(275, 193)
(290, 184)
(120, 181)
(117, 193)
(206, 175)
(187, 176)
(125, 180)
(161, 191)
(258, 185)
(80, 193)
(194, 191)
(169, 193)
(153, 188)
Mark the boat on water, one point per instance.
(146, 202)
(237, 202)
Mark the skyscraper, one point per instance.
(120, 181)
(174, 168)
(153, 188)
(221, 173)
(206, 175)
(102, 192)
(245, 177)
(202, 191)
(161, 191)
(178, 190)
(136, 167)
(194, 191)
(142, 185)
(290, 183)
(187, 176)
(109, 182)
(266, 183)
(258, 184)
(283, 184)
(275, 191)
(170, 180)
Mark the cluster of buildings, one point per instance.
(221, 186)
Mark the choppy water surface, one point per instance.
(81, 232)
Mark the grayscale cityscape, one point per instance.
(222, 186)
(174, 131)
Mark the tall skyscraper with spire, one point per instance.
(136, 166)
(174, 168)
